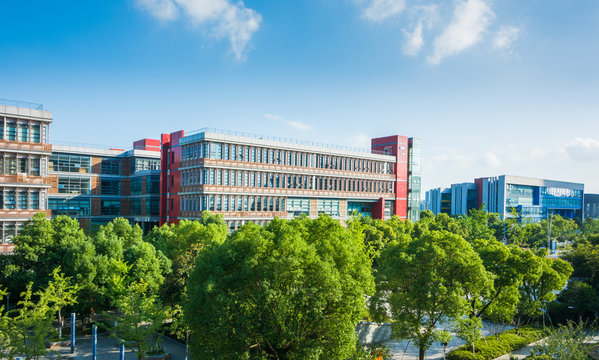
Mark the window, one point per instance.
(110, 187)
(111, 166)
(110, 207)
(153, 184)
(22, 165)
(34, 169)
(34, 200)
(140, 164)
(297, 207)
(35, 133)
(22, 200)
(11, 130)
(69, 163)
(23, 132)
(10, 199)
(152, 206)
(136, 186)
(73, 185)
(216, 151)
(135, 207)
(328, 207)
(11, 165)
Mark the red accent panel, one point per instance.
(397, 145)
(479, 192)
(378, 209)
(147, 144)
(170, 177)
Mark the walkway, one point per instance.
(108, 350)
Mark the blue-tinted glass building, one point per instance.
(591, 206)
(531, 199)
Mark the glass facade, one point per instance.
(359, 208)
(297, 207)
(136, 185)
(73, 185)
(328, 206)
(141, 164)
(69, 206)
(110, 187)
(414, 179)
(111, 166)
(69, 163)
(110, 207)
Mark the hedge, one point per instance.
(490, 348)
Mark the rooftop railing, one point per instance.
(86, 145)
(21, 104)
(282, 139)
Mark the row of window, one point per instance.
(282, 157)
(229, 203)
(8, 230)
(109, 166)
(81, 185)
(152, 185)
(29, 165)
(11, 199)
(227, 177)
(26, 131)
(76, 207)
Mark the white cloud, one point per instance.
(379, 10)
(294, 124)
(224, 19)
(360, 141)
(273, 117)
(505, 37)
(582, 149)
(413, 41)
(470, 20)
(160, 9)
(491, 160)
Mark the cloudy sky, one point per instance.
(491, 86)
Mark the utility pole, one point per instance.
(549, 235)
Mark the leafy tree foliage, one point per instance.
(139, 316)
(289, 290)
(424, 282)
(181, 244)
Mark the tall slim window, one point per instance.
(11, 165)
(22, 166)
(22, 200)
(23, 132)
(34, 169)
(10, 199)
(35, 133)
(11, 130)
(34, 200)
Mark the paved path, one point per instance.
(408, 351)
(108, 350)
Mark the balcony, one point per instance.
(25, 146)
(21, 213)
(6, 248)
(23, 179)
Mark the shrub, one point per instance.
(491, 348)
(463, 355)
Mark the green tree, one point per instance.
(469, 330)
(540, 284)
(181, 244)
(566, 342)
(139, 317)
(289, 290)
(29, 326)
(424, 282)
(60, 292)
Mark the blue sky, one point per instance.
(491, 86)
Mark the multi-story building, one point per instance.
(96, 185)
(24, 152)
(438, 201)
(531, 199)
(591, 206)
(256, 178)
